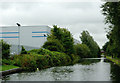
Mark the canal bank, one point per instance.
(87, 70)
(10, 71)
(114, 60)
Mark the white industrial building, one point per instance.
(29, 36)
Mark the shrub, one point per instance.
(40, 51)
(75, 58)
(27, 62)
(82, 50)
(43, 61)
(7, 62)
(46, 58)
(53, 45)
(5, 49)
(42, 58)
(60, 59)
(23, 51)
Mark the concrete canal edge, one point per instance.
(11, 71)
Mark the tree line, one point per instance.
(58, 50)
(62, 40)
(111, 11)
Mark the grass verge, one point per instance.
(115, 60)
(7, 67)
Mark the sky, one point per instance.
(75, 15)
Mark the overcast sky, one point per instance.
(74, 15)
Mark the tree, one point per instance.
(64, 37)
(23, 51)
(89, 41)
(5, 48)
(82, 50)
(111, 11)
(67, 41)
(105, 46)
(53, 45)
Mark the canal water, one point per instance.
(94, 69)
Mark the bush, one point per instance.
(63, 36)
(27, 62)
(5, 49)
(42, 58)
(54, 58)
(46, 58)
(7, 62)
(60, 59)
(74, 58)
(43, 61)
(23, 51)
(40, 51)
(53, 45)
(82, 50)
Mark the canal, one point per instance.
(93, 69)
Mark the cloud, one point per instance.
(76, 16)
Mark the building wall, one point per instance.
(30, 36)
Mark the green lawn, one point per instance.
(7, 67)
(115, 60)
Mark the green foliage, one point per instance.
(7, 62)
(55, 58)
(105, 46)
(40, 51)
(0, 61)
(111, 11)
(43, 61)
(5, 49)
(27, 62)
(92, 45)
(62, 37)
(43, 58)
(115, 60)
(82, 50)
(53, 45)
(68, 42)
(23, 51)
(74, 58)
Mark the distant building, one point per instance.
(30, 36)
(102, 51)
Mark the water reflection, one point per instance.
(86, 70)
(89, 61)
(63, 73)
